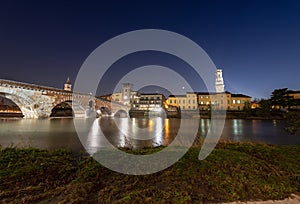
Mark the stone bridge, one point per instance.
(38, 101)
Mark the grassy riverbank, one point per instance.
(232, 172)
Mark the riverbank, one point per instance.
(233, 172)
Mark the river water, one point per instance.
(61, 132)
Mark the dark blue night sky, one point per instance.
(256, 43)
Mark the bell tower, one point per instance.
(219, 81)
(126, 93)
(68, 85)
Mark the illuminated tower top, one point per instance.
(68, 85)
(219, 81)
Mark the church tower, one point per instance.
(219, 81)
(126, 93)
(68, 85)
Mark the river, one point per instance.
(61, 132)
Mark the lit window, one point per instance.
(207, 103)
(201, 102)
(206, 96)
(233, 101)
(201, 96)
(238, 101)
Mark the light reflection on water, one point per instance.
(56, 133)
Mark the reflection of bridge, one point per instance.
(38, 101)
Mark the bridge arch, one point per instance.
(9, 107)
(73, 108)
(26, 105)
(63, 109)
(121, 113)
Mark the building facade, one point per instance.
(220, 100)
(206, 101)
(125, 96)
(184, 102)
(295, 98)
(148, 102)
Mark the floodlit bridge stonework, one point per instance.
(38, 101)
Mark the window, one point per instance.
(228, 101)
(158, 98)
(201, 96)
(189, 107)
(183, 101)
(221, 101)
(228, 108)
(179, 101)
(239, 108)
(207, 103)
(233, 101)
(189, 101)
(170, 100)
(174, 100)
(193, 107)
(239, 101)
(183, 107)
(206, 96)
(201, 102)
(193, 101)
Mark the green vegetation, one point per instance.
(234, 171)
(280, 98)
(293, 123)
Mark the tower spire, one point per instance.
(68, 85)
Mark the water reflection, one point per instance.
(134, 133)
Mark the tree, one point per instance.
(264, 108)
(281, 99)
(247, 108)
